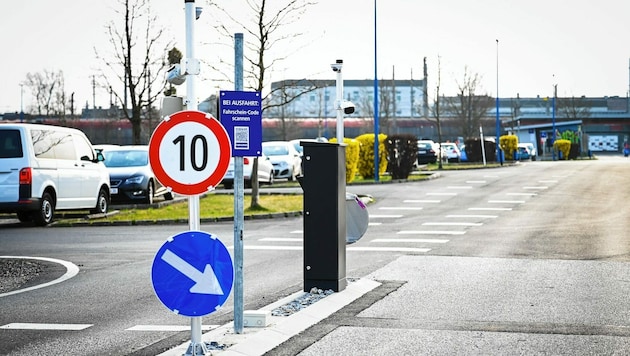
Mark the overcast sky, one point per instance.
(580, 45)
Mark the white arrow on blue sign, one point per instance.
(193, 273)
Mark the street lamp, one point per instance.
(21, 102)
(498, 121)
(376, 129)
(553, 120)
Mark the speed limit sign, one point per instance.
(189, 152)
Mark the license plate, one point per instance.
(113, 190)
(422, 152)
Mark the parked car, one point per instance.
(451, 151)
(531, 150)
(285, 159)
(300, 149)
(130, 175)
(427, 151)
(46, 168)
(523, 153)
(265, 172)
(463, 157)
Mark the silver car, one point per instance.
(285, 159)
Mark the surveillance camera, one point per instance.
(336, 67)
(347, 106)
(198, 11)
(174, 75)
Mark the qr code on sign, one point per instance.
(241, 137)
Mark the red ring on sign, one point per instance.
(224, 153)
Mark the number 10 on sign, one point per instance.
(190, 152)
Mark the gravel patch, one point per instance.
(15, 273)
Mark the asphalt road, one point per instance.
(550, 211)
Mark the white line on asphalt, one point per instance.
(459, 187)
(526, 194)
(281, 239)
(442, 194)
(547, 181)
(473, 216)
(169, 327)
(491, 209)
(451, 224)
(388, 249)
(427, 241)
(71, 271)
(385, 216)
(476, 181)
(434, 232)
(421, 201)
(296, 232)
(259, 247)
(400, 208)
(538, 187)
(506, 201)
(374, 223)
(491, 176)
(42, 326)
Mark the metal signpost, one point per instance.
(241, 115)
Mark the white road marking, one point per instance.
(281, 239)
(296, 232)
(491, 209)
(400, 208)
(473, 216)
(547, 181)
(374, 223)
(451, 224)
(537, 187)
(442, 194)
(427, 241)
(476, 181)
(434, 232)
(169, 327)
(388, 249)
(71, 271)
(385, 216)
(526, 194)
(43, 326)
(421, 201)
(506, 201)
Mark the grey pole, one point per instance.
(197, 346)
(239, 187)
(339, 98)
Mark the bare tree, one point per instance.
(138, 63)
(49, 92)
(386, 97)
(268, 28)
(437, 109)
(573, 108)
(469, 108)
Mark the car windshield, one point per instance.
(275, 150)
(130, 158)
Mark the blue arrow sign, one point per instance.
(193, 273)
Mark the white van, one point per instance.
(46, 168)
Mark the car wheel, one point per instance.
(25, 216)
(149, 198)
(46, 212)
(228, 185)
(248, 183)
(168, 196)
(102, 203)
(271, 178)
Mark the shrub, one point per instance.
(509, 145)
(402, 152)
(563, 146)
(366, 155)
(353, 148)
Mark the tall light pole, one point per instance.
(21, 102)
(553, 120)
(498, 120)
(376, 129)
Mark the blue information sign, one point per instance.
(193, 273)
(241, 115)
